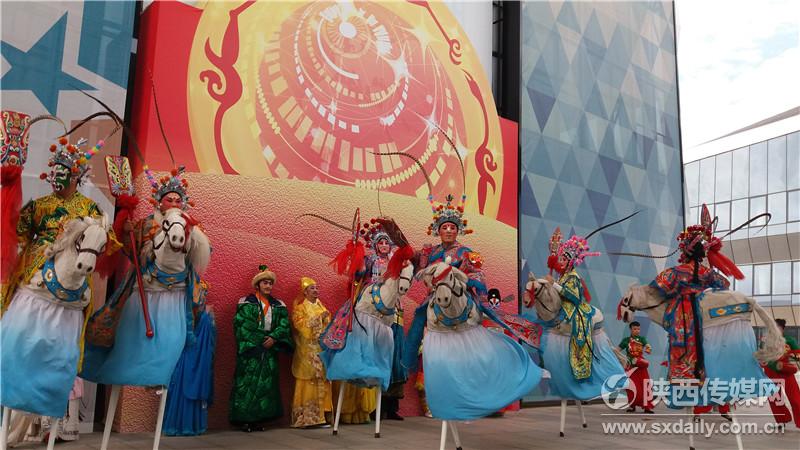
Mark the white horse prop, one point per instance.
(371, 332)
(726, 319)
(456, 344)
(544, 297)
(172, 262)
(41, 331)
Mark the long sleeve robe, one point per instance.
(256, 393)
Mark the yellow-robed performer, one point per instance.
(312, 391)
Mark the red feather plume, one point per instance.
(395, 265)
(10, 203)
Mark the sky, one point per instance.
(738, 63)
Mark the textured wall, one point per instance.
(600, 140)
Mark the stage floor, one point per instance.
(528, 429)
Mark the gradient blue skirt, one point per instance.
(135, 359)
(605, 365)
(39, 354)
(474, 373)
(366, 359)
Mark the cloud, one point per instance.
(737, 64)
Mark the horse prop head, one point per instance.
(88, 237)
(179, 238)
(446, 282)
(404, 280)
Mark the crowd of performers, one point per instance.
(469, 358)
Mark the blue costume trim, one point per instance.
(729, 309)
(165, 278)
(377, 301)
(54, 286)
(454, 321)
(189, 276)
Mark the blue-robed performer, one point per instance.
(359, 346)
(192, 384)
(456, 343)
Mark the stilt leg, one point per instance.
(583, 416)
(160, 421)
(563, 416)
(112, 409)
(456, 437)
(738, 430)
(51, 440)
(443, 440)
(378, 415)
(4, 429)
(338, 409)
(691, 435)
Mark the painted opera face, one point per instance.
(169, 201)
(383, 247)
(448, 233)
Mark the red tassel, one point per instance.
(339, 263)
(128, 202)
(586, 294)
(119, 223)
(357, 261)
(107, 264)
(10, 203)
(395, 265)
(724, 264)
(720, 261)
(552, 264)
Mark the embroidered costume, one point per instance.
(635, 347)
(312, 391)
(696, 354)
(41, 333)
(129, 356)
(365, 358)
(575, 348)
(256, 396)
(500, 370)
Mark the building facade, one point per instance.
(763, 176)
(600, 139)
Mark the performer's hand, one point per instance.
(648, 348)
(268, 342)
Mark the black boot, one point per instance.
(392, 408)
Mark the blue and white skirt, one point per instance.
(732, 373)
(39, 357)
(135, 359)
(366, 358)
(605, 367)
(473, 373)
